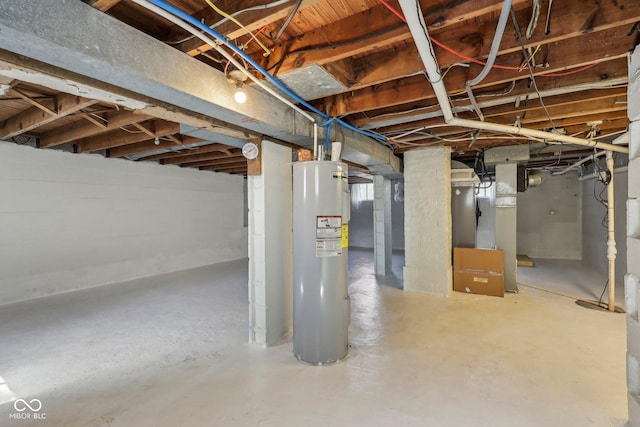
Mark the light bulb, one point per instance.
(240, 96)
(156, 141)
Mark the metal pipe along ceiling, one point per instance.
(418, 28)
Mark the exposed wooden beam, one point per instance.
(81, 129)
(186, 152)
(145, 146)
(224, 168)
(253, 20)
(237, 171)
(563, 56)
(577, 18)
(207, 157)
(96, 122)
(30, 100)
(120, 137)
(374, 29)
(103, 5)
(240, 170)
(230, 162)
(559, 106)
(601, 73)
(63, 104)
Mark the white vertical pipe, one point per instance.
(611, 241)
(315, 141)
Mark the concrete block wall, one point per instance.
(271, 247)
(594, 245)
(427, 175)
(382, 224)
(361, 224)
(632, 278)
(550, 219)
(76, 221)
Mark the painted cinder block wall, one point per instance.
(76, 221)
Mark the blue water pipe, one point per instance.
(188, 18)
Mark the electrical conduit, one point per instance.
(418, 28)
(493, 53)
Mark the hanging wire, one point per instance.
(476, 61)
(533, 79)
(287, 21)
(267, 52)
(234, 14)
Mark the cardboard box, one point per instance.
(478, 282)
(478, 271)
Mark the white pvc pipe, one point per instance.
(418, 28)
(171, 18)
(550, 137)
(611, 241)
(315, 141)
(576, 164)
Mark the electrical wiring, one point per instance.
(267, 52)
(600, 304)
(478, 62)
(99, 117)
(188, 23)
(191, 24)
(531, 58)
(287, 21)
(393, 10)
(533, 78)
(234, 14)
(468, 138)
(254, 35)
(331, 46)
(533, 22)
(130, 131)
(599, 197)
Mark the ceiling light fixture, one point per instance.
(240, 96)
(238, 78)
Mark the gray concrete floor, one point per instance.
(171, 350)
(575, 279)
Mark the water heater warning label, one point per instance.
(328, 236)
(327, 248)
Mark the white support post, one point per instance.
(382, 224)
(271, 246)
(427, 224)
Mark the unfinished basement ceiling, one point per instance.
(356, 60)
